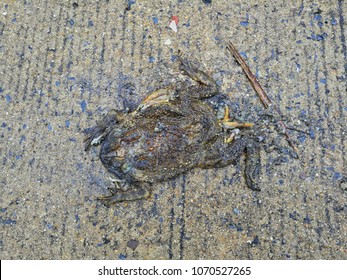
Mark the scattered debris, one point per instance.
(261, 93)
(174, 23)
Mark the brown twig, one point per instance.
(261, 93)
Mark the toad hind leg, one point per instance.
(128, 195)
(233, 152)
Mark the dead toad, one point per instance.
(171, 131)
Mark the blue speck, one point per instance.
(244, 55)
(77, 218)
(24, 126)
(151, 59)
(245, 22)
(317, 17)
(255, 240)
(297, 95)
(345, 109)
(49, 225)
(139, 224)
(155, 20)
(100, 244)
(236, 211)
(187, 24)
(293, 215)
(330, 168)
(232, 226)
(333, 21)
(303, 113)
(323, 81)
(50, 128)
(235, 226)
(298, 66)
(22, 139)
(131, 2)
(67, 123)
(161, 219)
(302, 138)
(307, 220)
(122, 257)
(3, 124)
(18, 157)
(79, 166)
(83, 105)
(337, 176)
(57, 83)
(72, 139)
(281, 182)
(1, 90)
(86, 43)
(72, 78)
(90, 23)
(14, 20)
(7, 221)
(72, 22)
(299, 42)
(318, 37)
(8, 98)
(273, 54)
(174, 57)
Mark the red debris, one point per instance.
(175, 18)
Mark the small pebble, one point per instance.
(132, 244)
(167, 42)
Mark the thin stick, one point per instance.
(261, 93)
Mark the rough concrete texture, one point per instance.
(65, 63)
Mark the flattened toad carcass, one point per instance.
(171, 131)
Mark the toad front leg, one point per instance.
(208, 86)
(252, 166)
